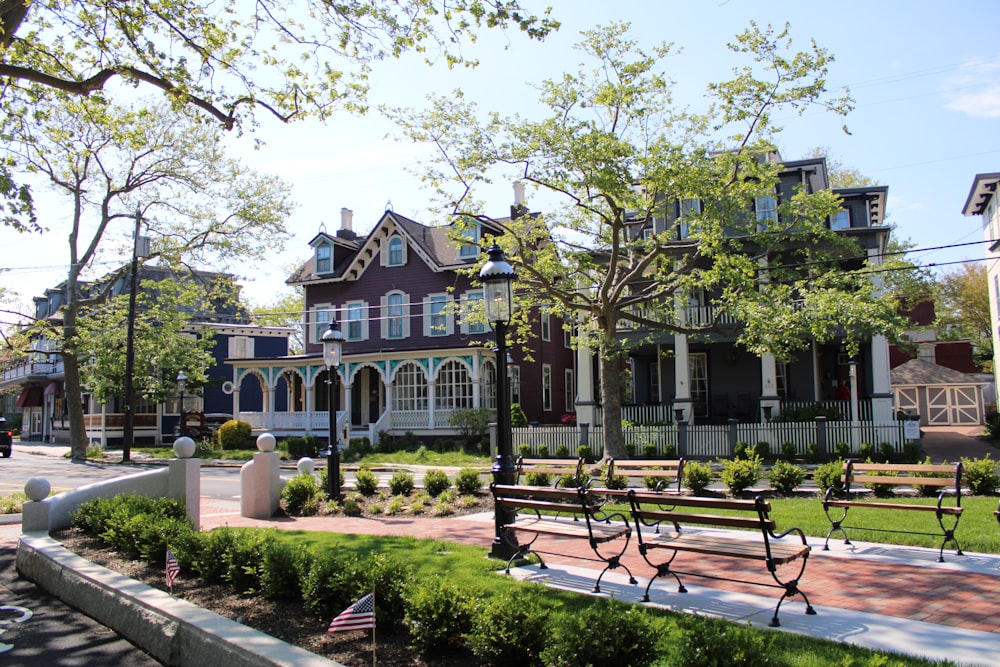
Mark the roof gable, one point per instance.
(920, 372)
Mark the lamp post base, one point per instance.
(503, 473)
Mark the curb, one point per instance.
(173, 631)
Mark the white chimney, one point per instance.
(518, 193)
(347, 219)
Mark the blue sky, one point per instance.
(925, 76)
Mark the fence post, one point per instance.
(493, 440)
(821, 436)
(585, 435)
(733, 423)
(682, 439)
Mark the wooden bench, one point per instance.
(649, 508)
(667, 473)
(948, 478)
(558, 468)
(565, 513)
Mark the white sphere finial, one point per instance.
(306, 466)
(37, 488)
(266, 442)
(184, 447)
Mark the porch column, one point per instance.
(269, 402)
(682, 363)
(769, 385)
(586, 409)
(881, 391)
(474, 378)
(346, 401)
(308, 406)
(431, 401)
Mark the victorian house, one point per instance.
(710, 380)
(414, 353)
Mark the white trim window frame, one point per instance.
(569, 390)
(356, 320)
(409, 388)
(686, 207)
(394, 252)
(324, 258)
(472, 302)
(321, 320)
(453, 387)
(545, 323)
(395, 322)
(840, 220)
(439, 316)
(766, 211)
(546, 387)
(472, 234)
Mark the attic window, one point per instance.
(840, 220)
(471, 236)
(324, 257)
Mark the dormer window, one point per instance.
(471, 236)
(324, 258)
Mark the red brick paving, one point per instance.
(929, 594)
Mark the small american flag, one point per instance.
(173, 569)
(359, 616)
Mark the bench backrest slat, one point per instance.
(651, 497)
(742, 522)
(903, 481)
(900, 474)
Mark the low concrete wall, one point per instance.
(173, 631)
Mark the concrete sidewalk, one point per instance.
(878, 596)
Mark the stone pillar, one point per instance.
(35, 512)
(260, 481)
(184, 479)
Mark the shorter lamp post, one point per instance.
(333, 345)
(181, 383)
(497, 278)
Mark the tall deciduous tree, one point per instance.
(963, 310)
(612, 150)
(228, 60)
(286, 310)
(108, 164)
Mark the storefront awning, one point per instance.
(53, 389)
(31, 397)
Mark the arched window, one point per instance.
(409, 388)
(453, 389)
(396, 255)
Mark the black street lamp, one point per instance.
(181, 384)
(498, 277)
(333, 345)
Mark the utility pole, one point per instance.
(128, 427)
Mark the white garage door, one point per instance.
(953, 406)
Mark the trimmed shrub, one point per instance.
(524, 449)
(401, 483)
(365, 481)
(886, 452)
(537, 479)
(981, 475)
(517, 417)
(830, 475)
(617, 482)
(788, 451)
(812, 452)
(710, 643)
(866, 451)
(301, 496)
(741, 450)
(436, 482)
(298, 446)
(842, 450)
(329, 581)
(740, 474)
(586, 453)
(697, 477)
(509, 629)
(881, 490)
(562, 452)
(626, 637)
(543, 452)
(912, 451)
(467, 481)
(649, 450)
(762, 450)
(438, 614)
(234, 434)
(280, 568)
(785, 477)
(391, 577)
(670, 451)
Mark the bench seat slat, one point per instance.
(902, 467)
(893, 506)
(724, 546)
(902, 481)
(748, 523)
(601, 532)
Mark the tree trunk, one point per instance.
(611, 405)
(71, 365)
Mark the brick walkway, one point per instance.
(943, 594)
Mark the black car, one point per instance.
(6, 439)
